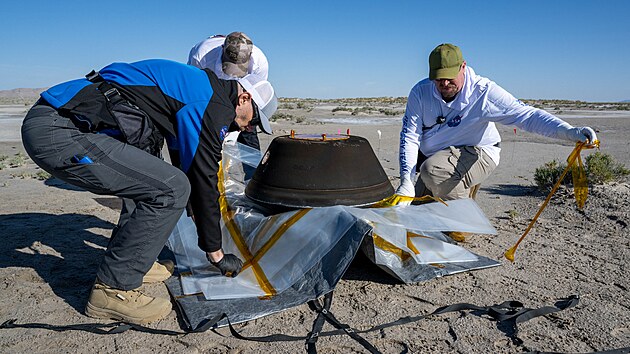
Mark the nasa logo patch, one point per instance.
(223, 133)
(455, 121)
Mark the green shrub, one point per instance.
(286, 106)
(548, 174)
(280, 115)
(512, 214)
(42, 175)
(358, 110)
(600, 168)
(390, 112)
(22, 175)
(18, 160)
(303, 105)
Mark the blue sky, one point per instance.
(576, 50)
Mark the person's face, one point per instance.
(244, 111)
(449, 88)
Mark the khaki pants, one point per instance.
(452, 172)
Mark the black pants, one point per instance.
(103, 165)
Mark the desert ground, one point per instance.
(53, 236)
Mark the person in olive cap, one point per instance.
(231, 57)
(104, 133)
(448, 131)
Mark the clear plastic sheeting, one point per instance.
(278, 250)
(281, 249)
(417, 229)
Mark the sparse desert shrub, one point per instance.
(600, 168)
(22, 175)
(286, 106)
(390, 112)
(18, 160)
(548, 174)
(280, 115)
(343, 109)
(42, 175)
(512, 214)
(302, 105)
(358, 110)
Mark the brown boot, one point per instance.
(125, 305)
(159, 272)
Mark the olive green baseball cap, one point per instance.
(445, 61)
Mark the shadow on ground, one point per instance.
(60, 248)
(513, 190)
(54, 182)
(362, 268)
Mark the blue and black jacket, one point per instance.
(193, 110)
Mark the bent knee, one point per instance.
(179, 190)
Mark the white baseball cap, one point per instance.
(264, 97)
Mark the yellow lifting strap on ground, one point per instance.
(228, 217)
(580, 186)
(275, 237)
(396, 199)
(390, 247)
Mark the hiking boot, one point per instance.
(458, 235)
(125, 305)
(160, 271)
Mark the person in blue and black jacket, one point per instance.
(104, 133)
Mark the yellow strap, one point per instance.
(396, 199)
(276, 236)
(228, 217)
(580, 184)
(390, 247)
(575, 154)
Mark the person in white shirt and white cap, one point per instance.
(231, 57)
(450, 123)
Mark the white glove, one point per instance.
(582, 134)
(406, 187)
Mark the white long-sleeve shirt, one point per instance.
(207, 55)
(470, 119)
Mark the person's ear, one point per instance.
(244, 98)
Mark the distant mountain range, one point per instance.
(22, 92)
(30, 94)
